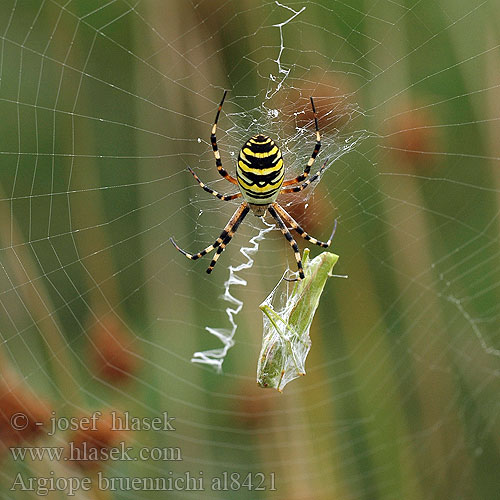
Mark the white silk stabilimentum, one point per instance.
(215, 357)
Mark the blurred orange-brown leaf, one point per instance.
(411, 136)
(23, 414)
(113, 350)
(256, 408)
(91, 444)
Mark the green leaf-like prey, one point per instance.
(285, 340)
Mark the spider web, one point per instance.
(105, 104)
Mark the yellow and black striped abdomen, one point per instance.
(260, 170)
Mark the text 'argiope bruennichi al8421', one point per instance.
(260, 174)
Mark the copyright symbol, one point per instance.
(19, 421)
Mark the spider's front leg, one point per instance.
(315, 152)
(213, 140)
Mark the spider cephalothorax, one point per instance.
(260, 177)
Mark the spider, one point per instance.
(260, 177)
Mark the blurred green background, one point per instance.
(103, 106)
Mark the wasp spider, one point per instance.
(260, 178)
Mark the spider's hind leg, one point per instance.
(290, 220)
(222, 241)
(289, 237)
